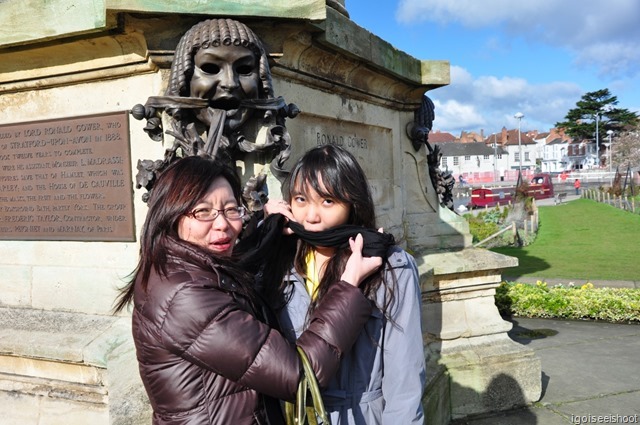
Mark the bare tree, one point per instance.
(626, 149)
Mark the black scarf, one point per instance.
(376, 244)
(264, 244)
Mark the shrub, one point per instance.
(487, 222)
(492, 216)
(480, 230)
(616, 305)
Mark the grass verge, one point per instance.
(581, 239)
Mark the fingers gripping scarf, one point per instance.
(265, 241)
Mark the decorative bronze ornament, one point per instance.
(418, 133)
(220, 103)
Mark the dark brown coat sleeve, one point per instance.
(210, 328)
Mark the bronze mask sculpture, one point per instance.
(220, 103)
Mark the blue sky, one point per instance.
(537, 57)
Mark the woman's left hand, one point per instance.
(279, 207)
(358, 267)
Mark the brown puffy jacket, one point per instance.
(205, 358)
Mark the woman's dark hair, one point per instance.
(177, 191)
(334, 173)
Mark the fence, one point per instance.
(586, 177)
(627, 203)
(484, 177)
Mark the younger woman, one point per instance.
(381, 379)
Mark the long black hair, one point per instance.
(177, 191)
(334, 173)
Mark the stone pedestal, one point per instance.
(66, 368)
(465, 335)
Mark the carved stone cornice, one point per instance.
(73, 62)
(315, 66)
(338, 55)
(333, 55)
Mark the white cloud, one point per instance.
(470, 13)
(454, 116)
(499, 88)
(604, 35)
(615, 59)
(592, 35)
(489, 103)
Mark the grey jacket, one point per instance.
(381, 379)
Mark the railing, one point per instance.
(489, 177)
(486, 177)
(626, 203)
(511, 227)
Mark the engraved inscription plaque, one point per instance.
(67, 179)
(371, 145)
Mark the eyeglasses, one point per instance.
(210, 214)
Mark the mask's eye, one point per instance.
(245, 70)
(210, 68)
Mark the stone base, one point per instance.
(40, 391)
(490, 375)
(68, 368)
(487, 371)
(437, 399)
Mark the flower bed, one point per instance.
(617, 305)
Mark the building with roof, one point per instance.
(559, 152)
(516, 145)
(463, 158)
(441, 137)
(488, 159)
(554, 155)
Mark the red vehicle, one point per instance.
(540, 187)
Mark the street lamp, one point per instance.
(597, 140)
(495, 159)
(610, 133)
(605, 109)
(519, 116)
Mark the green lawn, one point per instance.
(581, 239)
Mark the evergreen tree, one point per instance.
(580, 122)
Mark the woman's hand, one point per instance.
(279, 207)
(358, 267)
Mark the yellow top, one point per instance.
(313, 280)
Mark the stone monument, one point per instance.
(70, 207)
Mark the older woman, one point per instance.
(206, 350)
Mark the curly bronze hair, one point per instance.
(213, 33)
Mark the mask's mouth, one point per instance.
(225, 104)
